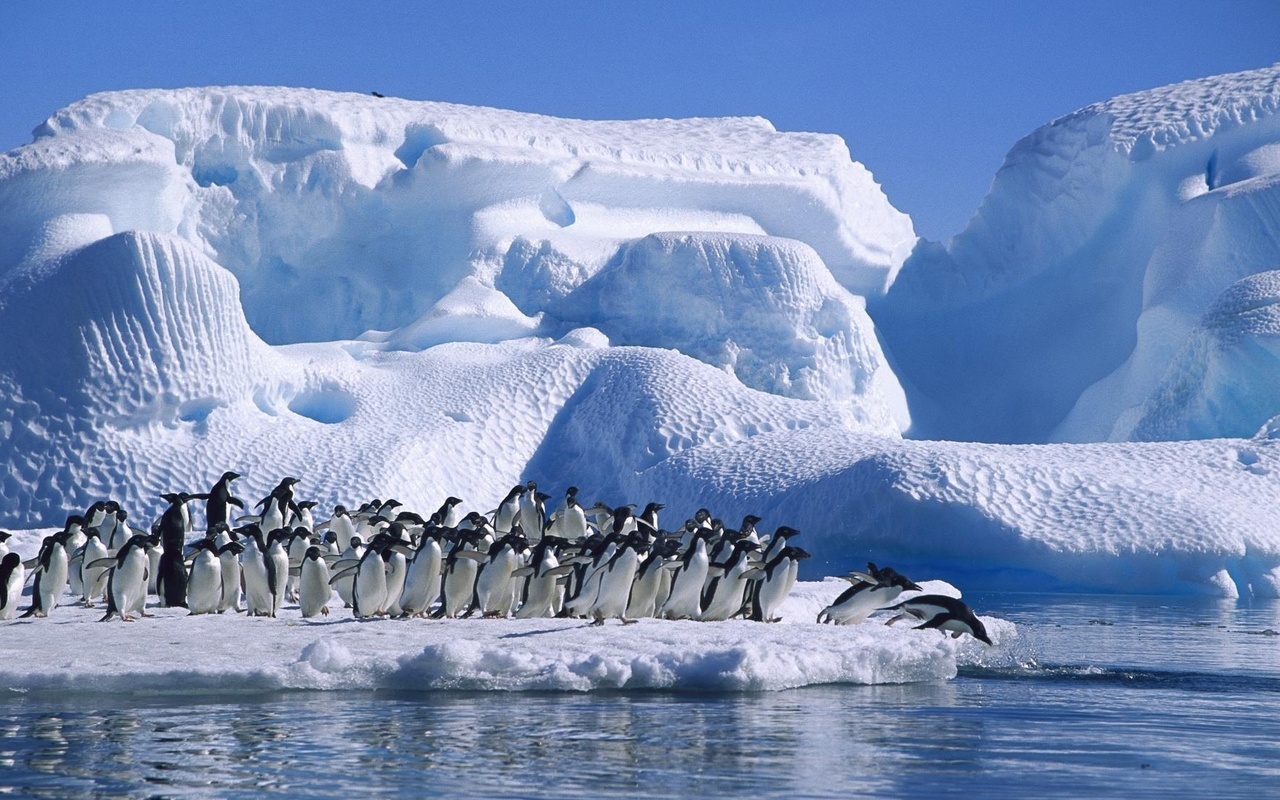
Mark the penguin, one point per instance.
(450, 513)
(460, 574)
(369, 589)
(590, 570)
(314, 591)
(571, 521)
(50, 577)
(276, 561)
(127, 581)
(229, 551)
(872, 590)
(296, 545)
(532, 515)
(395, 556)
(650, 515)
(772, 588)
(544, 572)
(644, 600)
(422, 581)
(943, 613)
(74, 538)
(780, 539)
(278, 507)
(219, 499)
(93, 581)
(12, 578)
(493, 581)
(616, 579)
(722, 598)
(688, 578)
(508, 510)
(253, 571)
(204, 582)
(350, 557)
(171, 576)
(341, 525)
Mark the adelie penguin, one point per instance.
(50, 576)
(171, 573)
(204, 583)
(871, 590)
(942, 613)
(219, 499)
(127, 584)
(314, 591)
(12, 578)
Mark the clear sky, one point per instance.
(929, 95)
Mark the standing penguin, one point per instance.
(344, 583)
(532, 515)
(253, 571)
(508, 510)
(314, 591)
(204, 583)
(544, 571)
(93, 581)
(616, 579)
(276, 560)
(722, 598)
(688, 578)
(12, 577)
(171, 575)
(422, 582)
(772, 588)
(450, 512)
(50, 577)
(127, 584)
(219, 499)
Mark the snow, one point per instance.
(1106, 236)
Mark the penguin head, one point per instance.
(228, 477)
(980, 631)
(313, 553)
(92, 533)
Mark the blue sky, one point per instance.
(929, 95)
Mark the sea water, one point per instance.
(1099, 697)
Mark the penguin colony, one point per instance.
(596, 563)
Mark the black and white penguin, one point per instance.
(343, 575)
(450, 512)
(171, 574)
(942, 613)
(127, 581)
(723, 596)
(616, 579)
(422, 582)
(12, 578)
(460, 570)
(93, 580)
(507, 512)
(493, 580)
(570, 522)
(276, 561)
(369, 589)
(872, 590)
(544, 573)
(768, 591)
(50, 577)
(646, 597)
(314, 591)
(688, 578)
(204, 581)
(258, 596)
(220, 499)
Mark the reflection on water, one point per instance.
(1109, 697)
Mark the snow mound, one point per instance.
(1127, 216)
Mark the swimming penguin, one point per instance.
(219, 499)
(314, 591)
(204, 582)
(12, 578)
(768, 592)
(688, 579)
(943, 613)
(872, 590)
(127, 581)
(50, 577)
(93, 581)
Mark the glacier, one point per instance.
(414, 299)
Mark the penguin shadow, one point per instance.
(526, 634)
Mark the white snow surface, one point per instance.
(1106, 236)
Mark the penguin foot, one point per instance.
(598, 623)
(324, 610)
(626, 621)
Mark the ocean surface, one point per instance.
(1099, 697)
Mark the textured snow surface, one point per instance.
(1105, 237)
(172, 652)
